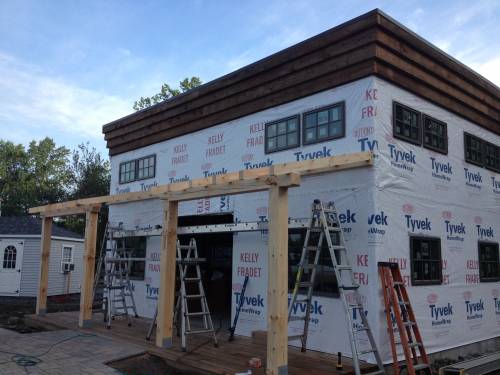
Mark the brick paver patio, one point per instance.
(62, 352)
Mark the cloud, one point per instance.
(33, 99)
(489, 69)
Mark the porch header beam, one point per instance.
(231, 183)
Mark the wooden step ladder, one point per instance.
(325, 227)
(398, 304)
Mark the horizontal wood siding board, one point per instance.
(406, 51)
(291, 53)
(291, 67)
(428, 49)
(223, 106)
(441, 85)
(328, 81)
(422, 89)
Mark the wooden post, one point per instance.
(277, 289)
(86, 291)
(168, 257)
(41, 299)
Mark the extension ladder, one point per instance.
(325, 225)
(398, 304)
(112, 274)
(191, 290)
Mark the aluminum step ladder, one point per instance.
(325, 225)
(191, 292)
(112, 276)
(398, 304)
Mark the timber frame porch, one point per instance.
(276, 180)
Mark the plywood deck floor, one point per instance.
(228, 358)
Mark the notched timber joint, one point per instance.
(291, 179)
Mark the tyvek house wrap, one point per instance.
(388, 192)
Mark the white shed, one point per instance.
(20, 258)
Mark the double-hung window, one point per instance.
(127, 172)
(406, 124)
(492, 156)
(282, 134)
(473, 149)
(426, 262)
(435, 135)
(324, 124)
(488, 262)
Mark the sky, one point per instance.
(69, 67)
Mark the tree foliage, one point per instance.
(167, 92)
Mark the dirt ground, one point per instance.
(148, 364)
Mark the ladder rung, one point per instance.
(199, 331)
(201, 313)
(191, 279)
(193, 296)
(344, 268)
(191, 260)
(336, 247)
(355, 306)
(409, 324)
(296, 318)
(404, 303)
(398, 283)
(334, 229)
(360, 329)
(305, 284)
(312, 248)
(414, 344)
(367, 351)
(295, 337)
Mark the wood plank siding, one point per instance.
(372, 44)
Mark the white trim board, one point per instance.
(39, 235)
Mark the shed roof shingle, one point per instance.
(27, 225)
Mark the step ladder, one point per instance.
(325, 228)
(191, 292)
(398, 304)
(112, 275)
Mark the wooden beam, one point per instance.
(166, 298)
(277, 289)
(86, 292)
(230, 183)
(72, 211)
(41, 299)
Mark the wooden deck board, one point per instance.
(228, 358)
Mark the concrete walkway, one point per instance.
(61, 352)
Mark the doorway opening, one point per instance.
(217, 248)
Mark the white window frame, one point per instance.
(72, 247)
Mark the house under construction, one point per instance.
(404, 139)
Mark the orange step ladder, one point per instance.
(397, 302)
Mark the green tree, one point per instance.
(34, 176)
(167, 92)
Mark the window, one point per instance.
(491, 156)
(323, 124)
(425, 254)
(406, 123)
(435, 135)
(127, 172)
(146, 167)
(473, 149)
(135, 248)
(138, 169)
(282, 134)
(67, 258)
(488, 262)
(9, 257)
(325, 283)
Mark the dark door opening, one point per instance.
(217, 271)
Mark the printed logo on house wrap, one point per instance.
(441, 314)
(347, 218)
(324, 152)
(495, 184)
(377, 223)
(441, 170)
(258, 164)
(252, 304)
(208, 171)
(483, 231)
(401, 159)
(414, 223)
(474, 308)
(473, 179)
(455, 231)
(496, 302)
